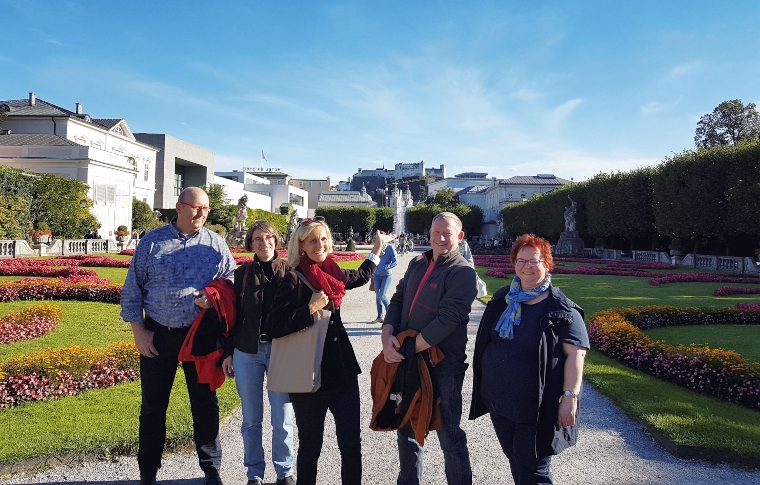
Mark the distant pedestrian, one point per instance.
(382, 279)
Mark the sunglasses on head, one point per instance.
(308, 220)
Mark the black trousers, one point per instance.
(156, 380)
(311, 410)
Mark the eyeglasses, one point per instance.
(528, 262)
(259, 240)
(199, 208)
(307, 221)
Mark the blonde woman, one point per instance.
(309, 252)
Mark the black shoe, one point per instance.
(146, 479)
(213, 478)
(256, 481)
(289, 480)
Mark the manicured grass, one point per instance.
(684, 416)
(742, 339)
(98, 421)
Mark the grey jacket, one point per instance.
(442, 310)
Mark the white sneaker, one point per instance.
(377, 320)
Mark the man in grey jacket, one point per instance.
(435, 297)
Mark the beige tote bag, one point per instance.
(295, 361)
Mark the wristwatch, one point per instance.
(568, 394)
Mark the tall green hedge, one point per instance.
(279, 221)
(340, 219)
(709, 198)
(419, 217)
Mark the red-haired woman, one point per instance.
(528, 364)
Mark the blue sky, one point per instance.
(507, 88)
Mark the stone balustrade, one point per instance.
(733, 264)
(651, 257)
(20, 248)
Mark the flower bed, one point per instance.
(724, 374)
(47, 267)
(734, 290)
(748, 306)
(60, 289)
(127, 252)
(508, 271)
(29, 323)
(49, 374)
(700, 278)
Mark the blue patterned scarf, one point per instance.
(513, 314)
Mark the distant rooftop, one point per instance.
(471, 175)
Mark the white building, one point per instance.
(101, 152)
(273, 185)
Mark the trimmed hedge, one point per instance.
(617, 333)
(706, 197)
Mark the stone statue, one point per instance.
(570, 215)
(350, 232)
(292, 226)
(158, 214)
(238, 223)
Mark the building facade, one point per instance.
(101, 152)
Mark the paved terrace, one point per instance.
(612, 449)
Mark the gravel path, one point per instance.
(612, 449)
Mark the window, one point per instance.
(117, 129)
(296, 199)
(279, 182)
(99, 193)
(309, 184)
(300, 184)
(510, 195)
(522, 195)
(111, 194)
(320, 185)
(178, 181)
(146, 171)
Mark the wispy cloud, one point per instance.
(683, 70)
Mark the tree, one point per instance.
(729, 123)
(63, 204)
(446, 198)
(143, 217)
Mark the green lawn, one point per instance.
(684, 416)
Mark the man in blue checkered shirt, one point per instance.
(162, 296)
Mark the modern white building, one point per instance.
(101, 152)
(269, 184)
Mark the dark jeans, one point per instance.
(519, 444)
(311, 410)
(456, 456)
(156, 380)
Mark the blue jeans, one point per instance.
(456, 456)
(249, 379)
(382, 283)
(518, 441)
(311, 410)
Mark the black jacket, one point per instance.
(252, 287)
(550, 439)
(290, 313)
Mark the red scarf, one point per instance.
(329, 278)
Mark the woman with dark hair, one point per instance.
(309, 254)
(528, 364)
(247, 356)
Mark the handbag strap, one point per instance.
(302, 277)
